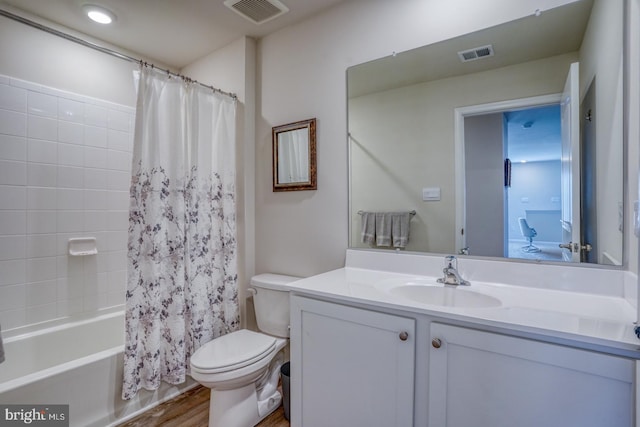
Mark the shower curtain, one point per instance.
(182, 267)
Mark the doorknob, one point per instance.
(566, 246)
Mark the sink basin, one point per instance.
(444, 296)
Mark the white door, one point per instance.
(570, 166)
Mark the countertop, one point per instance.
(599, 322)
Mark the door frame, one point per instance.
(458, 134)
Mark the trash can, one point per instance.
(285, 377)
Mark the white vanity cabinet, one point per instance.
(350, 366)
(479, 378)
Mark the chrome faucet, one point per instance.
(451, 275)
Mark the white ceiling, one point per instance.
(173, 32)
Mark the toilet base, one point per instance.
(240, 407)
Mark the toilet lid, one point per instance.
(232, 351)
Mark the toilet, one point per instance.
(242, 368)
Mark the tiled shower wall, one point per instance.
(64, 173)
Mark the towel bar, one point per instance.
(412, 213)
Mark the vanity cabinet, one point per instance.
(479, 378)
(350, 366)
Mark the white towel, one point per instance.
(383, 229)
(368, 232)
(400, 228)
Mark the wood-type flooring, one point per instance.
(191, 409)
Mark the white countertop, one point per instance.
(591, 320)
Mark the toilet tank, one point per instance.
(271, 303)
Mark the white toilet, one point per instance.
(242, 368)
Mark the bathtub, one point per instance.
(80, 364)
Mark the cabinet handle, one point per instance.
(403, 336)
(436, 343)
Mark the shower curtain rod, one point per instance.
(106, 50)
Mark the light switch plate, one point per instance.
(431, 194)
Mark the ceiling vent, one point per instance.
(257, 11)
(476, 53)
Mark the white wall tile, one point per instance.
(70, 221)
(95, 116)
(13, 173)
(95, 179)
(117, 240)
(41, 245)
(71, 133)
(118, 140)
(13, 197)
(13, 247)
(116, 260)
(42, 151)
(118, 180)
(12, 297)
(13, 318)
(70, 155)
(41, 222)
(70, 287)
(13, 123)
(13, 147)
(69, 307)
(95, 136)
(13, 98)
(40, 104)
(71, 177)
(94, 302)
(115, 298)
(42, 128)
(42, 198)
(96, 200)
(70, 199)
(95, 158)
(70, 267)
(13, 272)
(119, 120)
(118, 200)
(95, 220)
(13, 222)
(42, 313)
(70, 110)
(118, 160)
(42, 175)
(39, 293)
(41, 269)
(118, 220)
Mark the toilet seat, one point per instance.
(232, 351)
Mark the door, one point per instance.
(484, 185)
(570, 167)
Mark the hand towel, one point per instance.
(383, 229)
(400, 228)
(368, 233)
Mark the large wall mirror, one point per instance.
(507, 142)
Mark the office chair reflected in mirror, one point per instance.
(528, 233)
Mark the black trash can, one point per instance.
(285, 377)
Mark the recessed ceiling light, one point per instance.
(99, 14)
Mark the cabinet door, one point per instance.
(350, 367)
(486, 379)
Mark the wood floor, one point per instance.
(191, 409)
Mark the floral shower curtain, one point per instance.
(182, 267)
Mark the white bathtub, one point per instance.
(79, 364)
